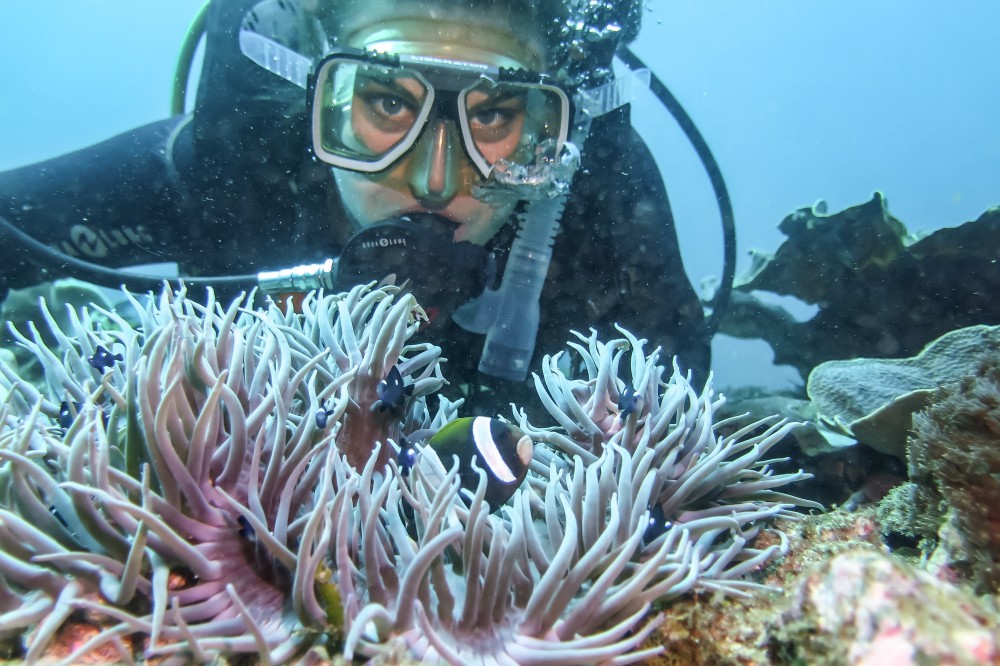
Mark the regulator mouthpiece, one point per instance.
(414, 249)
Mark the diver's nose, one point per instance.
(434, 171)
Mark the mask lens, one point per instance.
(509, 121)
(366, 115)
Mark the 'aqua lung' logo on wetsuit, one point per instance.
(98, 243)
(383, 242)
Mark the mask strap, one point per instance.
(614, 94)
(275, 58)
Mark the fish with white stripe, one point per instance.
(498, 447)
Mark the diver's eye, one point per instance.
(494, 124)
(389, 107)
(495, 117)
(491, 118)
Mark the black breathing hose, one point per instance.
(721, 300)
(59, 264)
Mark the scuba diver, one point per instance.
(480, 151)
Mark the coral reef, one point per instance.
(954, 462)
(845, 600)
(231, 486)
(865, 607)
(712, 630)
(873, 400)
(879, 291)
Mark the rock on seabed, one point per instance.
(866, 608)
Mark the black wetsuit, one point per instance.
(233, 189)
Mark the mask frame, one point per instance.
(443, 86)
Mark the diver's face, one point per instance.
(436, 175)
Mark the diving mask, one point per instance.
(369, 109)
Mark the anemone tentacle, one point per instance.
(230, 486)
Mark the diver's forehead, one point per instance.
(488, 41)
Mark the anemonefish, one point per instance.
(499, 448)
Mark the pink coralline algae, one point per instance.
(868, 609)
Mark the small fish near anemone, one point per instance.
(102, 359)
(391, 391)
(497, 448)
(209, 515)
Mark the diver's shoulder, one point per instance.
(137, 144)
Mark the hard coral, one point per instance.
(873, 399)
(879, 291)
(196, 506)
(864, 607)
(954, 459)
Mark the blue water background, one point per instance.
(800, 101)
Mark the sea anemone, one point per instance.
(649, 447)
(230, 486)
